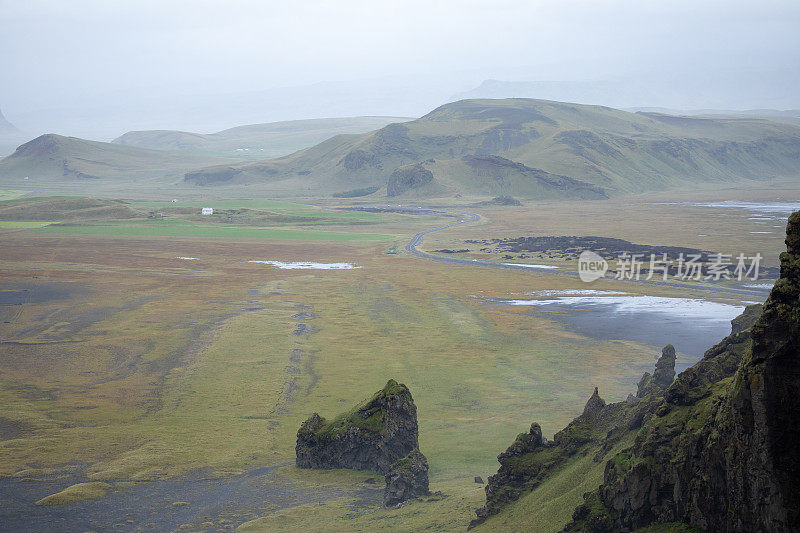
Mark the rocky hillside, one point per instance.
(373, 436)
(712, 450)
(532, 149)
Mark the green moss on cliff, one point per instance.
(368, 416)
(531, 464)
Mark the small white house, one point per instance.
(207, 211)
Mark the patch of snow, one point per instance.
(531, 266)
(187, 258)
(307, 265)
(629, 305)
(758, 285)
(574, 292)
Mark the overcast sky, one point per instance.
(56, 52)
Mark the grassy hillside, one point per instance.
(54, 158)
(255, 141)
(531, 148)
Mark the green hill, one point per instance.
(528, 148)
(55, 159)
(255, 141)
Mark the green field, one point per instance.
(10, 195)
(288, 208)
(161, 230)
(24, 224)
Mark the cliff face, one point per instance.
(764, 408)
(720, 454)
(713, 449)
(406, 178)
(373, 436)
(531, 459)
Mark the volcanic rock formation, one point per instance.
(407, 478)
(373, 436)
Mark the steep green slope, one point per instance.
(517, 141)
(712, 451)
(538, 487)
(255, 141)
(67, 208)
(54, 158)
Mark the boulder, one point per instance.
(406, 479)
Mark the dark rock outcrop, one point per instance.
(601, 427)
(720, 454)
(532, 458)
(595, 403)
(406, 479)
(662, 376)
(512, 477)
(409, 177)
(373, 436)
(664, 373)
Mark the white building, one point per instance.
(208, 211)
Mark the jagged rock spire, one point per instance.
(594, 404)
(662, 376)
(664, 373)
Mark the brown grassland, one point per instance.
(125, 363)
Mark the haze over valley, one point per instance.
(356, 266)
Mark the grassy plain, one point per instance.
(645, 219)
(10, 194)
(123, 362)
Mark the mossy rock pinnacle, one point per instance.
(372, 436)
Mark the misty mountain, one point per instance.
(52, 158)
(732, 88)
(789, 116)
(107, 117)
(255, 141)
(5, 126)
(529, 148)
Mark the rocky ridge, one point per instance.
(531, 459)
(712, 450)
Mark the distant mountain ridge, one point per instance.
(259, 141)
(55, 158)
(530, 148)
(535, 149)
